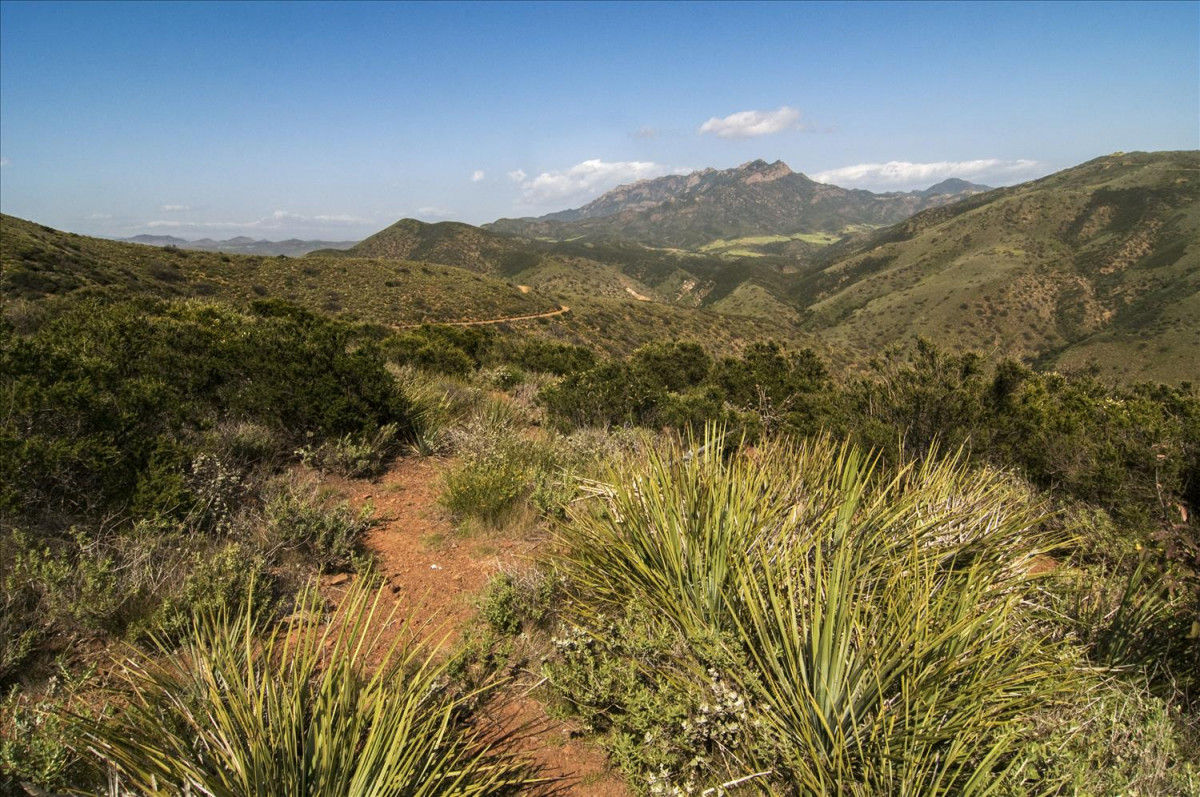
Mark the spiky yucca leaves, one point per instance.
(879, 613)
(318, 708)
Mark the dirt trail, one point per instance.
(562, 309)
(435, 575)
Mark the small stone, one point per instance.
(340, 578)
(435, 567)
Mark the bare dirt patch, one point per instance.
(435, 574)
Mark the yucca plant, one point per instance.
(313, 708)
(879, 612)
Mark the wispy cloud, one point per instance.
(173, 224)
(174, 208)
(517, 175)
(434, 212)
(586, 179)
(335, 219)
(748, 124)
(278, 220)
(477, 175)
(98, 216)
(645, 132)
(902, 174)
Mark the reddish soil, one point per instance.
(436, 573)
(562, 310)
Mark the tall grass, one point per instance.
(879, 614)
(316, 708)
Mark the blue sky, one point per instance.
(333, 120)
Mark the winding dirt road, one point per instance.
(562, 309)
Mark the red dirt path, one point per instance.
(436, 574)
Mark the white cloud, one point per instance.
(747, 124)
(587, 179)
(98, 216)
(477, 175)
(279, 220)
(900, 174)
(337, 219)
(517, 175)
(645, 132)
(434, 212)
(219, 225)
(174, 208)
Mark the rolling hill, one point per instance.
(754, 199)
(1097, 264)
(451, 243)
(579, 269)
(38, 262)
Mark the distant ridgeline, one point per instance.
(293, 247)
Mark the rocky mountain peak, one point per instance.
(759, 171)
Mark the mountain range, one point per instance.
(755, 199)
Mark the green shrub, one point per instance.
(874, 623)
(512, 600)
(217, 488)
(493, 474)
(38, 739)
(503, 377)
(487, 488)
(298, 515)
(247, 443)
(1121, 739)
(677, 385)
(552, 358)
(675, 366)
(670, 722)
(103, 401)
(441, 349)
(437, 401)
(227, 578)
(609, 394)
(318, 708)
(21, 622)
(355, 456)
(83, 583)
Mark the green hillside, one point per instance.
(449, 242)
(577, 272)
(1095, 264)
(618, 326)
(38, 262)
